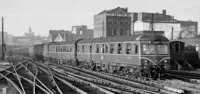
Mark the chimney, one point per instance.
(164, 12)
(126, 9)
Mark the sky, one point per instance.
(45, 15)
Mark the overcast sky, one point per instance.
(44, 15)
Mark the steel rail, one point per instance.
(88, 83)
(71, 86)
(37, 79)
(44, 90)
(13, 83)
(51, 74)
(19, 80)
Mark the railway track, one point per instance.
(63, 79)
(29, 78)
(115, 81)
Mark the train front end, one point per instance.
(155, 55)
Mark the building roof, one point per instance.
(55, 33)
(117, 10)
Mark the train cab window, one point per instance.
(119, 51)
(162, 49)
(83, 48)
(111, 48)
(128, 48)
(106, 48)
(149, 49)
(97, 48)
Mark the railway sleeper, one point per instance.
(141, 86)
(86, 83)
(110, 83)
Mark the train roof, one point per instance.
(64, 42)
(141, 37)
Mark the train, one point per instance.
(140, 55)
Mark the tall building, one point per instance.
(173, 28)
(114, 22)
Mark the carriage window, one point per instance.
(77, 48)
(106, 50)
(111, 48)
(90, 48)
(97, 48)
(119, 48)
(82, 48)
(136, 49)
(60, 49)
(70, 49)
(128, 48)
(177, 47)
(162, 49)
(67, 48)
(64, 48)
(102, 48)
(149, 49)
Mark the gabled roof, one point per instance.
(117, 10)
(54, 34)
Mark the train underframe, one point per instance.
(142, 72)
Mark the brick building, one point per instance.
(173, 28)
(114, 22)
(81, 31)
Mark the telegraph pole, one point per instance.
(3, 45)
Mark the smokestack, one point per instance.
(126, 9)
(164, 12)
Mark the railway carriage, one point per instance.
(125, 54)
(38, 51)
(140, 55)
(62, 51)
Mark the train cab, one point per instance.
(155, 50)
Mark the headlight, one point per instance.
(165, 61)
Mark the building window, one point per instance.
(126, 22)
(128, 48)
(97, 48)
(114, 31)
(109, 21)
(121, 31)
(82, 48)
(119, 48)
(111, 48)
